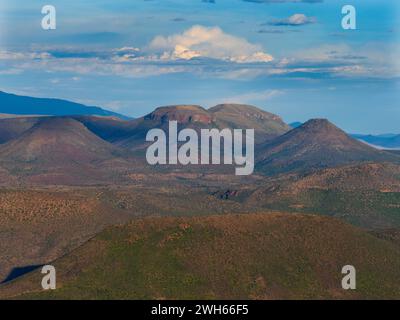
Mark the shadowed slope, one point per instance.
(14, 127)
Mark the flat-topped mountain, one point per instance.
(231, 116)
(315, 144)
(183, 114)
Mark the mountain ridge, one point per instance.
(315, 144)
(25, 105)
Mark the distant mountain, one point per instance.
(250, 256)
(23, 105)
(315, 144)
(384, 141)
(62, 150)
(107, 128)
(295, 124)
(266, 125)
(187, 116)
(51, 144)
(234, 116)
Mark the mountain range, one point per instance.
(383, 141)
(318, 198)
(11, 104)
(94, 149)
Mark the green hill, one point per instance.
(255, 256)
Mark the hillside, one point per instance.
(23, 105)
(14, 127)
(366, 195)
(60, 150)
(107, 128)
(315, 144)
(255, 256)
(239, 116)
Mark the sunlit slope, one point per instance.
(256, 256)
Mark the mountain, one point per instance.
(23, 105)
(232, 116)
(249, 256)
(384, 141)
(107, 128)
(187, 116)
(295, 124)
(315, 144)
(239, 116)
(59, 149)
(14, 127)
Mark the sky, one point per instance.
(289, 57)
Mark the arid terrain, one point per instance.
(76, 192)
(254, 256)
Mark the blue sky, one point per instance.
(290, 57)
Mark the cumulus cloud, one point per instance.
(208, 42)
(297, 19)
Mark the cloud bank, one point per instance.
(208, 42)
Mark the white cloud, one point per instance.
(208, 42)
(9, 55)
(300, 19)
(297, 19)
(230, 58)
(253, 97)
